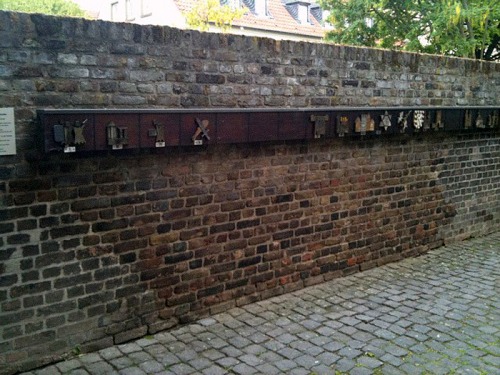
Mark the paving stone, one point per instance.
(321, 370)
(361, 371)
(291, 353)
(214, 370)
(187, 355)
(139, 357)
(151, 367)
(285, 364)
(69, 365)
(369, 362)
(110, 353)
(268, 369)
(81, 371)
(100, 368)
(492, 360)
(344, 365)
(306, 361)
(167, 359)
(349, 353)
(47, 371)
(299, 371)
(90, 358)
(182, 369)
(391, 359)
(243, 369)
(129, 348)
(131, 371)
(146, 341)
(286, 338)
(412, 369)
(251, 360)
(389, 369)
(231, 351)
(213, 354)
(121, 362)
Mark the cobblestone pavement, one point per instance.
(437, 314)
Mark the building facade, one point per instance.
(278, 19)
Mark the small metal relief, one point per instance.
(70, 135)
(342, 125)
(159, 133)
(403, 121)
(418, 119)
(438, 121)
(385, 121)
(201, 131)
(493, 119)
(468, 119)
(319, 125)
(480, 122)
(364, 124)
(117, 136)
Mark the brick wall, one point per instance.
(97, 249)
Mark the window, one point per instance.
(146, 8)
(232, 3)
(303, 13)
(261, 8)
(129, 10)
(114, 11)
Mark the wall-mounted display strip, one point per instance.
(79, 130)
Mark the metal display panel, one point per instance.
(115, 129)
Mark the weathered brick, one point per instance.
(30, 288)
(66, 282)
(89, 204)
(106, 226)
(72, 230)
(8, 280)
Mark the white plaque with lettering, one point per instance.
(7, 132)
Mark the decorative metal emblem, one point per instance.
(385, 121)
(403, 121)
(117, 136)
(363, 124)
(418, 119)
(438, 124)
(78, 129)
(342, 125)
(493, 119)
(202, 130)
(468, 119)
(480, 122)
(319, 125)
(70, 135)
(157, 132)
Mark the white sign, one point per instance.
(7, 132)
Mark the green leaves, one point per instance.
(52, 7)
(208, 12)
(466, 28)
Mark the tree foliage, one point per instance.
(52, 7)
(466, 28)
(207, 12)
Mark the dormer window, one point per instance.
(299, 10)
(236, 4)
(303, 13)
(261, 8)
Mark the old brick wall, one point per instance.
(97, 249)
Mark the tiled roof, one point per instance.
(279, 19)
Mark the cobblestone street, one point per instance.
(436, 314)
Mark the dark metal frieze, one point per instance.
(77, 130)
